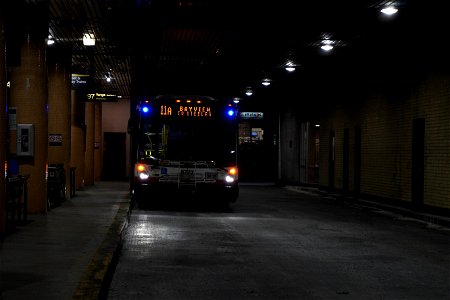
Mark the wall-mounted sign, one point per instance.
(55, 139)
(79, 81)
(101, 97)
(251, 115)
(12, 118)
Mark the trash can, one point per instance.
(56, 185)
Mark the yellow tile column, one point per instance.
(29, 96)
(59, 111)
(89, 156)
(77, 148)
(98, 143)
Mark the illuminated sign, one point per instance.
(185, 110)
(101, 97)
(251, 115)
(79, 80)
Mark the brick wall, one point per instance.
(386, 120)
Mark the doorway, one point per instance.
(418, 161)
(114, 156)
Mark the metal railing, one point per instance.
(16, 201)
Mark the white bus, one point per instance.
(185, 146)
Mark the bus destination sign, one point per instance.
(186, 111)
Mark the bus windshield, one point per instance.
(184, 130)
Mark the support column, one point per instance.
(89, 156)
(77, 149)
(29, 97)
(3, 124)
(98, 143)
(59, 111)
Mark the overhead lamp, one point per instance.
(327, 45)
(249, 92)
(88, 39)
(265, 82)
(108, 77)
(290, 66)
(389, 10)
(50, 40)
(236, 100)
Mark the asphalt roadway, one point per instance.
(281, 243)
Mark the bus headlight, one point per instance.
(229, 179)
(143, 176)
(142, 171)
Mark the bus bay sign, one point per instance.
(252, 115)
(101, 97)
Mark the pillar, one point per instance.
(59, 110)
(98, 143)
(89, 155)
(29, 97)
(77, 148)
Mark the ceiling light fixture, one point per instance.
(289, 66)
(327, 45)
(266, 82)
(50, 40)
(88, 39)
(389, 10)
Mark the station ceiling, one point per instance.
(223, 47)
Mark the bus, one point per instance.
(185, 146)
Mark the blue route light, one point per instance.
(230, 113)
(145, 109)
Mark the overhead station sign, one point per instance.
(101, 97)
(252, 115)
(80, 81)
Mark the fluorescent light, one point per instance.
(389, 10)
(266, 82)
(326, 47)
(88, 39)
(290, 69)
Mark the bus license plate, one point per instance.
(187, 172)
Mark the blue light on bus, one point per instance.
(145, 109)
(230, 113)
